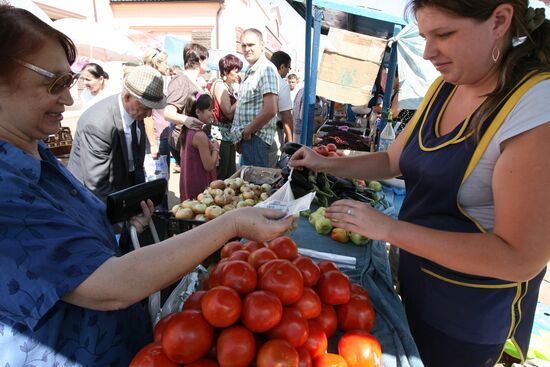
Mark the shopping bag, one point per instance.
(155, 168)
(174, 303)
(283, 200)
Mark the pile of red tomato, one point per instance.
(265, 305)
(329, 150)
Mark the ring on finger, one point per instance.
(349, 211)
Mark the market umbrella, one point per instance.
(30, 6)
(99, 41)
(145, 40)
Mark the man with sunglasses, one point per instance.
(109, 145)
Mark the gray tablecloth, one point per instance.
(372, 271)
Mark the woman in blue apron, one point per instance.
(473, 230)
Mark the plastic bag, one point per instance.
(174, 303)
(155, 168)
(283, 200)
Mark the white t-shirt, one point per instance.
(127, 121)
(476, 194)
(285, 102)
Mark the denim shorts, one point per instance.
(255, 152)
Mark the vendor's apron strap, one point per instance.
(427, 100)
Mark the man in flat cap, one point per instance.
(109, 145)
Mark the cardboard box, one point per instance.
(349, 67)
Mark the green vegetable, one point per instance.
(375, 186)
(358, 239)
(323, 225)
(313, 217)
(320, 210)
(305, 213)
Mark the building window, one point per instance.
(238, 34)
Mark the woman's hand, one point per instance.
(306, 158)
(141, 221)
(358, 217)
(259, 224)
(193, 123)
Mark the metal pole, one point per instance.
(307, 70)
(313, 74)
(389, 81)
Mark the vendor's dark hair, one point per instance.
(533, 54)
(96, 70)
(23, 34)
(229, 62)
(193, 54)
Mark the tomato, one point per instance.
(193, 302)
(221, 306)
(261, 311)
(215, 275)
(310, 270)
(321, 149)
(359, 290)
(285, 280)
(309, 304)
(236, 347)
(332, 154)
(357, 314)
(159, 327)
(334, 288)
(239, 255)
(304, 357)
(203, 362)
(260, 257)
(327, 319)
(317, 341)
(269, 264)
(152, 355)
(231, 247)
(277, 352)
(293, 327)
(252, 246)
(360, 349)
(331, 147)
(284, 247)
(240, 276)
(329, 360)
(327, 265)
(187, 328)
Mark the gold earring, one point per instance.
(495, 54)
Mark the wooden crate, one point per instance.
(258, 175)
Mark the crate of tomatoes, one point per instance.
(264, 305)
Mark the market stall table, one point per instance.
(368, 266)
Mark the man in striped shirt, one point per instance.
(254, 123)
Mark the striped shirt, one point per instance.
(260, 79)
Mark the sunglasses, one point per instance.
(59, 82)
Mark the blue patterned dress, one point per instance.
(53, 235)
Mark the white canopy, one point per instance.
(99, 41)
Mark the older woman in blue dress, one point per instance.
(67, 296)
